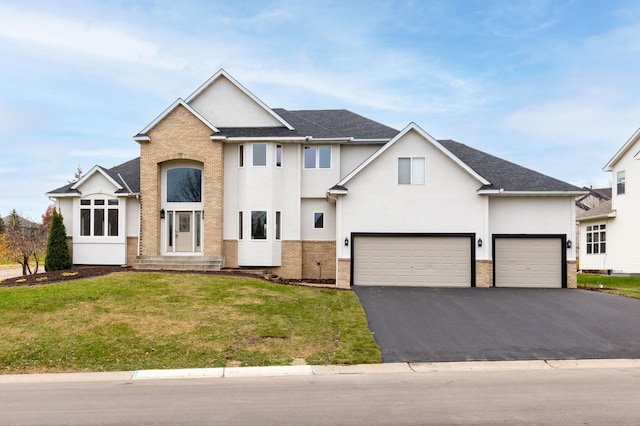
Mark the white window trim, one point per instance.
(313, 224)
(411, 170)
(275, 156)
(317, 160)
(266, 154)
(599, 231)
(241, 156)
(266, 225)
(92, 207)
(624, 182)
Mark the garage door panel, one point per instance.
(528, 262)
(412, 261)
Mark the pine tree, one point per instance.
(57, 257)
(1, 226)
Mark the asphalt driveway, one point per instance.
(437, 324)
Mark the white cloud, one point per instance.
(94, 39)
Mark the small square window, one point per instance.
(318, 220)
(411, 170)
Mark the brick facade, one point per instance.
(484, 273)
(230, 253)
(572, 278)
(132, 249)
(181, 136)
(344, 273)
(319, 259)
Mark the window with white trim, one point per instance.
(411, 170)
(621, 181)
(278, 224)
(99, 218)
(240, 155)
(259, 225)
(278, 155)
(597, 239)
(317, 157)
(318, 220)
(259, 154)
(240, 225)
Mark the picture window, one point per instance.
(597, 239)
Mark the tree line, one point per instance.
(24, 242)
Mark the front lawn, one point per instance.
(624, 286)
(131, 320)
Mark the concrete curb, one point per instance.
(321, 370)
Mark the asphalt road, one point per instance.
(437, 324)
(522, 396)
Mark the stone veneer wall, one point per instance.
(344, 273)
(230, 253)
(319, 252)
(572, 277)
(484, 273)
(181, 136)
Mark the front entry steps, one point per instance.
(179, 263)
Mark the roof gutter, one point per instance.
(611, 214)
(502, 192)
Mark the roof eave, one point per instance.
(501, 192)
(608, 215)
(609, 166)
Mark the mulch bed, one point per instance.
(66, 275)
(95, 271)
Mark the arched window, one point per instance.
(184, 185)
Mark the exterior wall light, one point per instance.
(479, 242)
(569, 244)
(162, 214)
(346, 242)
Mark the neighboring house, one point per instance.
(609, 233)
(587, 202)
(328, 193)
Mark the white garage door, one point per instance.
(412, 261)
(528, 262)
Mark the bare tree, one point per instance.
(77, 175)
(24, 240)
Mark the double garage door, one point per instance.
(431, 261)
(448, 261)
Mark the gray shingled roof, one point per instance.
(130, 172)
(503, 174)
(335, 123)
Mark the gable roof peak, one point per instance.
(222, 73)
(142, 135)
(623, 150)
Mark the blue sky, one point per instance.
(550, 85)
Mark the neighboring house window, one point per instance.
(411, 170)
(318, 220)
(184, 185)
(241, 156)
(621, 181)
(259, 154)
(596, 239)
(278, 155)
(96, 216)
(258, 225)
(278, 220)
(317, 157)
(240, 230)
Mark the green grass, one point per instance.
(128, 321)
(624, 286)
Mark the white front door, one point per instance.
(184, 232)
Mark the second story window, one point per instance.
(411, 170)
(241, 156)
(278, 155)
(259, 154)
(317, 157)
(620, 182)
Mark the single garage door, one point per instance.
(528, 262)
(426, 261)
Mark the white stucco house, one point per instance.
(609, 232)
(223, 179)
